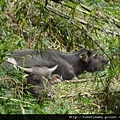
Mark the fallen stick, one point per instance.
(89, 94)
(82, 80)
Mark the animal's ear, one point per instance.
(85, 51)
(84, 57)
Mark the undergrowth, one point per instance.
(65, 26)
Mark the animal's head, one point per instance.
(42, 71)
(36, 84)
(94, 61)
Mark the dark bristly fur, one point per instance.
(69, 64)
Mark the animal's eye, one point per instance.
(105, 61)
(35, 80)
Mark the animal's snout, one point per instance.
(107, 62)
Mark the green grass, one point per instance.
(28, 24)
(85, 97)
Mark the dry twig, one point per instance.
(88, 94)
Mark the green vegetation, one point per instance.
(64, 26)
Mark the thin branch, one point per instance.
(82, 80)
(23, 110)
(11, 79)
(88, 94)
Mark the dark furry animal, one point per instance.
(41, 71)
(69, 64)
